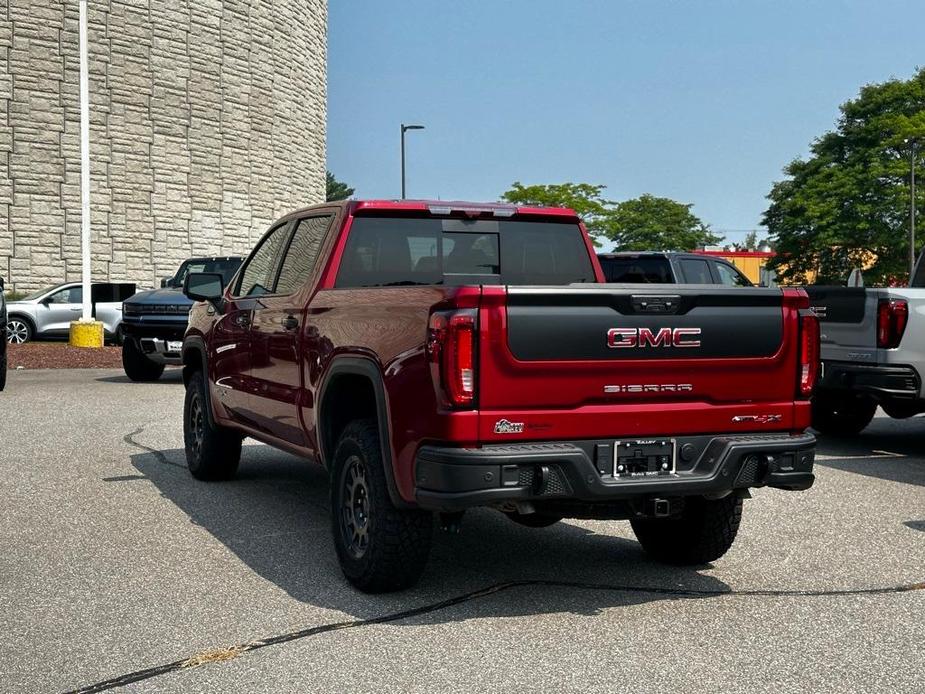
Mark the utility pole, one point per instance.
(403, 129)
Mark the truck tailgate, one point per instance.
(847, 322)
(611, 360)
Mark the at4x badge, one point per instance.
(503, 426)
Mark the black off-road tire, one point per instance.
(381, 548)
(137, 366)
(842, 415)
(703, 532)
(212, 452)
(901, 410)
(533, 520)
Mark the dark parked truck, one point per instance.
(154, 320)
(438, 356)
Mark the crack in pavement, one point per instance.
(129, 438)
(232, 652)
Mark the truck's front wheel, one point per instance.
(212, 452)
(703, 532)
(137, 366)
(845, 415)
(380, 547)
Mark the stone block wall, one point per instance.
(207, 122)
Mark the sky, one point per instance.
(703, 102)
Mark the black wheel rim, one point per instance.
(196, 425)
(354, 508)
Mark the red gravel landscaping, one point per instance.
(60, 355)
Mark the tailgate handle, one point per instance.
(656, 304)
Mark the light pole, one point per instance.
(403, 129)
(912, 144)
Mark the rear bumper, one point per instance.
(880, 382)
(452, 479)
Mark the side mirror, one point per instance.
(2, 285)
(205, 286)
(165, 282)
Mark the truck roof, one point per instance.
(444, 207)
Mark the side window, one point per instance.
(730, 276)
(696, 271)
(258, 274)
(302, 253)
(71, 295)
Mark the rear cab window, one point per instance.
(403, 251)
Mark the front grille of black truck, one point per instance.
(156, 309)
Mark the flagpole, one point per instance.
(85, 163)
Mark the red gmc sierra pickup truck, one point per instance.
(438, 356)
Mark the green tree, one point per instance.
(585, 198)
(847, 204)
(649, 223)
(337, 190)
(751, 241)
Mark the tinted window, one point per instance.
(730, 276)
(107, 292)
(696, 271)
(395, 252)
(257, 277)
(226, 268)
(302, 253)
(72, 295)
(639, 269)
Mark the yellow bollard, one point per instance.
(86, 334)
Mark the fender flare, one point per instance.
(366, 367)
(197, 343)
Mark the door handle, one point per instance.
(290, 323)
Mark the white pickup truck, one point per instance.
(873, 353)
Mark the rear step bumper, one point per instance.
(879, 381)
(452, 479)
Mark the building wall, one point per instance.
(207, 122)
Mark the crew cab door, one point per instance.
(231, 341)
(280, 321)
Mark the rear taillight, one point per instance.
(809, 353)
(452, 354)
(892, 316)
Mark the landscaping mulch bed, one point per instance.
(60, 355)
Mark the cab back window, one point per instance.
(388, 251)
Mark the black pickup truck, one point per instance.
(153, 321)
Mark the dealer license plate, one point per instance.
(643, 458)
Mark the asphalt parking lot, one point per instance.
(115, 561)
